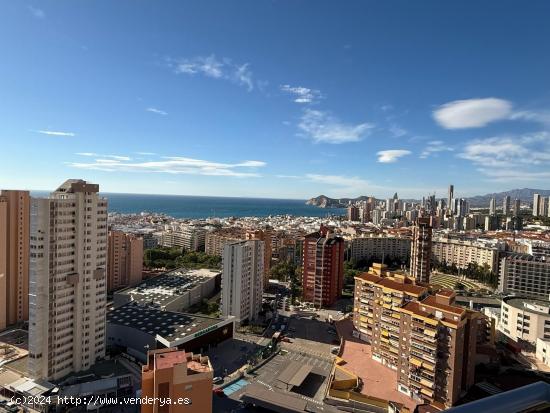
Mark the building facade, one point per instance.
(428, 340)
(462, 252)
(14, 257)
(188, 237)
(176, 375)
(215, 240)
(125, 263)
(242, 280)
(525, 320)
(68, 288)
(322, 268)
(421, 250)
(525, 275)
(379, 247)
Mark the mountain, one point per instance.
(524, 194)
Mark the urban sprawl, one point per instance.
(399, 306)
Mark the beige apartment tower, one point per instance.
(426, 338)
(14, 257)
(125, 263)
(68, 288)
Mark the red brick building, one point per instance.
(323, 268)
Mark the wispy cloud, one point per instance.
(532, 115)
(55, 133)
(434, 147)
(211, 66)
(472, 113)
(392, 155)
(157, 111)
(519, 158)
(36, 12)
(529, 149)
(323, 127)
(93, 154)
(145, 153)
(397, 131)
(302, 94)
(172, 165)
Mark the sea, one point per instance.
(197, 207)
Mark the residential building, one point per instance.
(525, 320)
(353, 213)
(450, 198)
(125, 262)
(536, 204)
(506, 204)
(525, 275)
(215, 240)
(68, 288)
(379, 247)
(266, 236)
(492, 206)
(242, 279)
(427, 339)
(176, 375)
(517, 207)
(462, 252)
(14, 257)
(421, 250)
(322, 268)
(188, 237)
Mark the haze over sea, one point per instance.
(186, 206)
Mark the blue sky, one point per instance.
(286, 99)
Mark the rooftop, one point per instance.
(171, 326)
(161, 290)
(534, 306)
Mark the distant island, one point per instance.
(524, 194)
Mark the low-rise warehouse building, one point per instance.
(175, 290)
(136, 328)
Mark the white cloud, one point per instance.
(302, 94)
(345, 185)
(211, 66)
(206, 65)
(323, 127)
(511, 157)
(145, 153)
(55, 133)
(243, 76)
(529, 149)
(535, 116)
(509, 175)
(172, 165)
(435, 147)
(392, 155)
(93, 154)
(36, 12)
(472, 113)
(157, 111)
(397, 131)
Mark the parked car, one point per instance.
(217, 380)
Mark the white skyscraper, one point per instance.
(536, 204)
(506, 204)
(242, 279)
(67, 280)
(493, 206)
